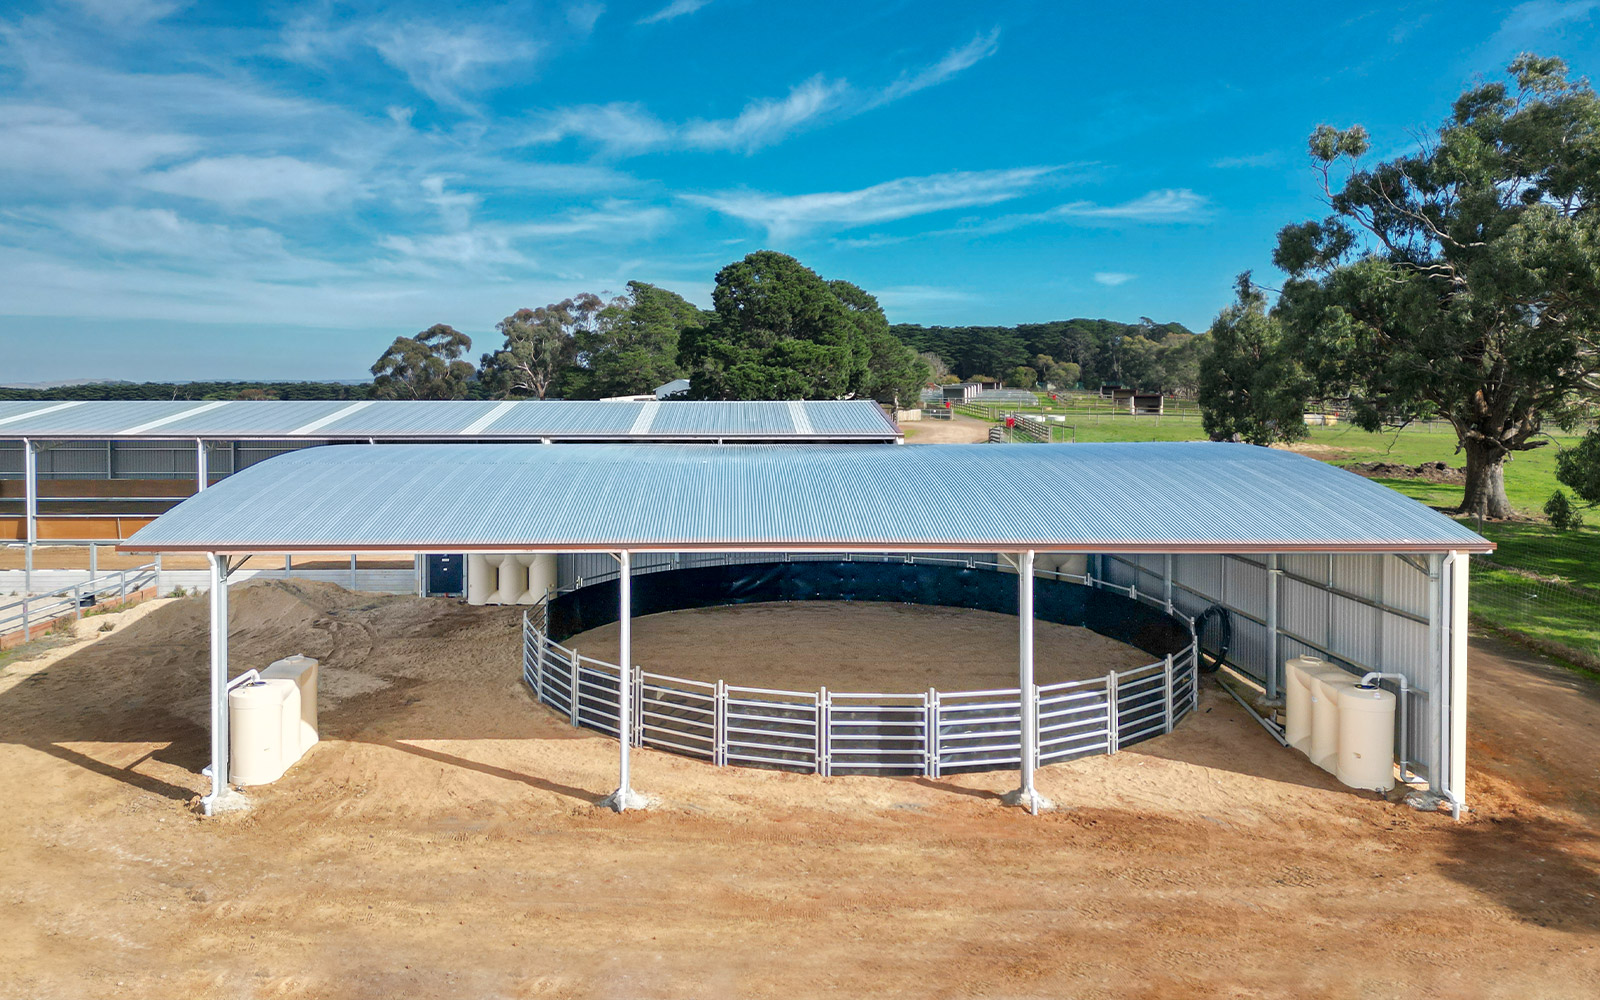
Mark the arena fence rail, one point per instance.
(872, 733)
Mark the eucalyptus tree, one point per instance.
(1462, 279)
(426, 366)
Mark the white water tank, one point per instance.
(481, 577)
(263, 719)
(1326, 685)
(1297, 700)
(1366, 737)
(302, 671)
(541, 577)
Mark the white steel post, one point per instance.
(1274, 575)
(214, 802)
(1438, 692)
(1457, 692)
(1166, 582)
(1027, 695)
(30, 510)
(201, 473)
(624, 798)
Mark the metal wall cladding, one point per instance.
(152, 460)
(11, 460)
(1246, 585)
(73, 460)
(1405, 587)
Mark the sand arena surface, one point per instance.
(441, 842)
(857, 646)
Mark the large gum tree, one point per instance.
(1462, 280)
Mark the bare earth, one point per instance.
(440, 842)
(956, 430)
(894, 648)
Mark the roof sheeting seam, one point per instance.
(802, 421)
(322, 422)
(39, 413)
(488, 418)
(646, 417)
(153, 424)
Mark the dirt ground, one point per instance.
(441, 842)
(956, 430)
(896, 648)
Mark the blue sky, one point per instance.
(207, 190)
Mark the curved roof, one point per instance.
(1157, 497)
(461, 420)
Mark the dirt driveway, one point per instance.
(440, 842)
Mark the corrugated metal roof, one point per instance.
(1162, 497)
(575, 420)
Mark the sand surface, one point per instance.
(894, 648)
(956, 430)
(441, 842)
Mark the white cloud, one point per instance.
(913, 296)
(123, 13)
(582, 16)
(1530, 25)
(244, 181)
(763, 123)
(55, 144)
(675, 9)
(444, 63)
(1112, 279)
(980, 48)
(1270, 158)
(1172, 205)
(165, 233)
(784, 215)
(1169, 205)
(621, 127)
(628, 127)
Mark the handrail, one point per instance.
(34, 610)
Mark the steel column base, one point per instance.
(624, 799)
(1029, 799)
(231, 800)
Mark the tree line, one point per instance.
(1157, 357)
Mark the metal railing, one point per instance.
(879, 733)
(39, 611)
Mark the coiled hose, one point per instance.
(1218, 615)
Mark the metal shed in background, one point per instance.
(1301, 553)
(78, 472)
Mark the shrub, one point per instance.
(1561, 513)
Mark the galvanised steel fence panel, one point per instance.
(773, 728)
(1075, 719)
(680, 715)
(877, 733)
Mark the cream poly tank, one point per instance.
(481, 577)
(263, 718)
(1366, 738)
(541, 577)
(1326, 684)
(1297, 700)
(302, 671)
